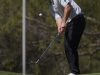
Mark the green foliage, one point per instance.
(11, 34)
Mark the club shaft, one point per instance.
(47, 47)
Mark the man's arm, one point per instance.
(67, 11)
(57, 18)
(61, 22)
(58, 22)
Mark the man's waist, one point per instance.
(74, 18)
(77, 16)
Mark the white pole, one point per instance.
(24, 37)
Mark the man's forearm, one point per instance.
(67, 11)
(58, 21)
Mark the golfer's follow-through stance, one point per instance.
(69, 18)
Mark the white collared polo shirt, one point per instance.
(57, 9)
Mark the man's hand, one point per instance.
(58, 22)
(61, 25)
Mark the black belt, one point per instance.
(77, 16)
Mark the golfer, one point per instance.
(70, 19)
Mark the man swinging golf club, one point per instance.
(69, 18)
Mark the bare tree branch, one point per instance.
(36, 20)
(90, 53)
(95, 45)
(92, 33)
(92, 19)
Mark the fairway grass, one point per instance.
(91, 74)
(11, 73)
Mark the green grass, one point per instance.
(92, 74)
(11, 73)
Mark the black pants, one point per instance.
(72, 38)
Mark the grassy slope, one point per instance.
(11, 73)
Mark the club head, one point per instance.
(35, 62)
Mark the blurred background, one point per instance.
(40, 31)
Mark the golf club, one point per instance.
(45, 50)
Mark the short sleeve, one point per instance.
(64, 2)
(57, 16)
(54, 14)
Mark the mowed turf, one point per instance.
(91, 74)
(11, 73)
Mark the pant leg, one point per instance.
(72, 37)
